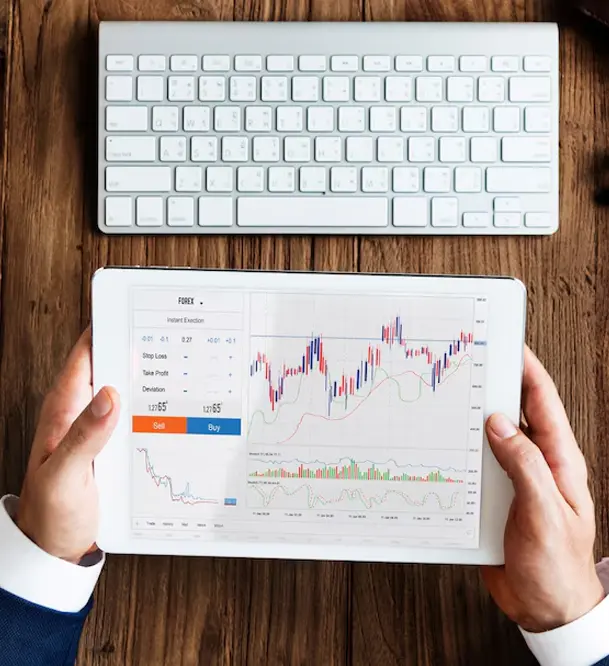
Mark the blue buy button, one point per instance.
(201, 426)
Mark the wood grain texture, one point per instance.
(157, 611)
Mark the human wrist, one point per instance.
(589, 595)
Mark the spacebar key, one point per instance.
(312, 212)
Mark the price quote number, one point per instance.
(213, 408)
(160, 406)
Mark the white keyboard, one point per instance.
(318, 128)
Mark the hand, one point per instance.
(549, 578)
(58, 505)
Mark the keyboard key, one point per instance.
(313, 179)
(507, 220)
(537, 119)
(165, 118)
(453, 149)
(248, 63)
(189, 179)
(258, 118)
(197, 118)
(398, 89)
(216, 63)
(348, 63)
(150, 88)
(212, 88)
(281, 179)
(320, 119)
(507, 205)
(152, 63)
(413, 119)
(180, 211)
(243, 88)
(351, 119)
(476, 119)
(473, 63)
(149, 211)
(119, 212)
(227, 119)
(491, 89)
(441, 63)
(406, 179)
(437, 180)
(130, 148)
(305, 89)
(537, 220)
(383, 119)
(181, 89)
(337, 89)
(410, 212)
(343, 179)
(484, 149)
(204, 149)
(138, 179)
(310, 211)
(506, 119)
(184, 63)
(375, 179)
(119, 88)
(312, 63)
(460, 89)
(368, 89)
(235, 149)
(219, 179)
(119, 63)
(530, 89)
(266, 149)
(444, 212)
(360, 149)
(274, 89)
(126, 118)
(429, 88)
(525, 149)
(476, 219)
(408, 63)
(250, 179)
(328, 149)
(421, 149)
(537, 64)
(216, 211)
(445, 119)
(297, 149)
(391, 149)
(505, 63)
(374, 63)
(468, 179)
(290, 119)
(518, 180)
(280, 63)
(172, 149)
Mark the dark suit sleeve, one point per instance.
(31, 635)
(603, 662)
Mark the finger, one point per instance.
(92, 429)
(549, 428)
(522, 461)
(68, 397)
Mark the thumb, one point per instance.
(522, 460)
(92, 429)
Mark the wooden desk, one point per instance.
(175, 611)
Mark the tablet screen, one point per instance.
(307, 417)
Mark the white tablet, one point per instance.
(306, 415)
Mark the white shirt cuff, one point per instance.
(581, 643)
(28, 572)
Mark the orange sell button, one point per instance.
(169, 425)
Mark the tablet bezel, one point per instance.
(111, 366)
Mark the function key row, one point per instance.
(322, 63)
